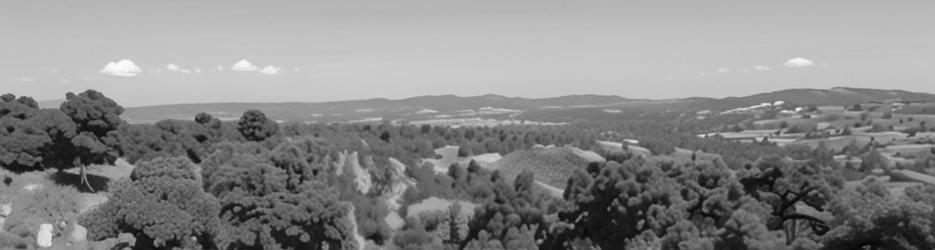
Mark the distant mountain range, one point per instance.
(421, 107)
(836, 96)
(501, 107)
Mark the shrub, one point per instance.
(887, 115)
(464, 151)
(162, 206)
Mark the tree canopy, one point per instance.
(162, 205)
(255, 126)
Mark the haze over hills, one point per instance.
(501, 107)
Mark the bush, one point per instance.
(464, 151)
(162, 206)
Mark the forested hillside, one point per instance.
(255, 183)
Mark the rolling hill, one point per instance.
(415, 108)
(491, 106)
(837, 96)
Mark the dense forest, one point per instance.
(258, 184)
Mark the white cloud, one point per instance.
(296, 69)
(723, 70)
(270, 70)
(173, 67)
(243, 65)
(176, 68)
(197, 70)
(124, 68)
(761, 67)
(798, 62)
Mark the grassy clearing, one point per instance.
(447, 155)
(55, 198)
(35, 200)
(552, 166)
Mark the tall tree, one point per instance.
(94, 115)
(516, 216)
(269, 201)
(21, 138)
(255, 126)
(612, 202)
(787, 186)
(870, 218)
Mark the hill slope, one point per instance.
(837, 96)
(552, 166)
(422, 107)
(500, 107)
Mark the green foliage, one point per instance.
(21, 144)
(846, 131)
(385, 136)
(887, 115)
(609, 214)
(465, 151)
(869, 218)
(270, 200)
(516, 218)
(873, 160)
(251, 192)
(92, 112)
(414, 237)
(162, 205)
(94, 115)
(254, 126)
(207, 120)
(31, 139)
(783, 185)
(635, 205)
(856, 107)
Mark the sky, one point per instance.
(160, 52)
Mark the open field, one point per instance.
(552, 166)
(448, 155)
